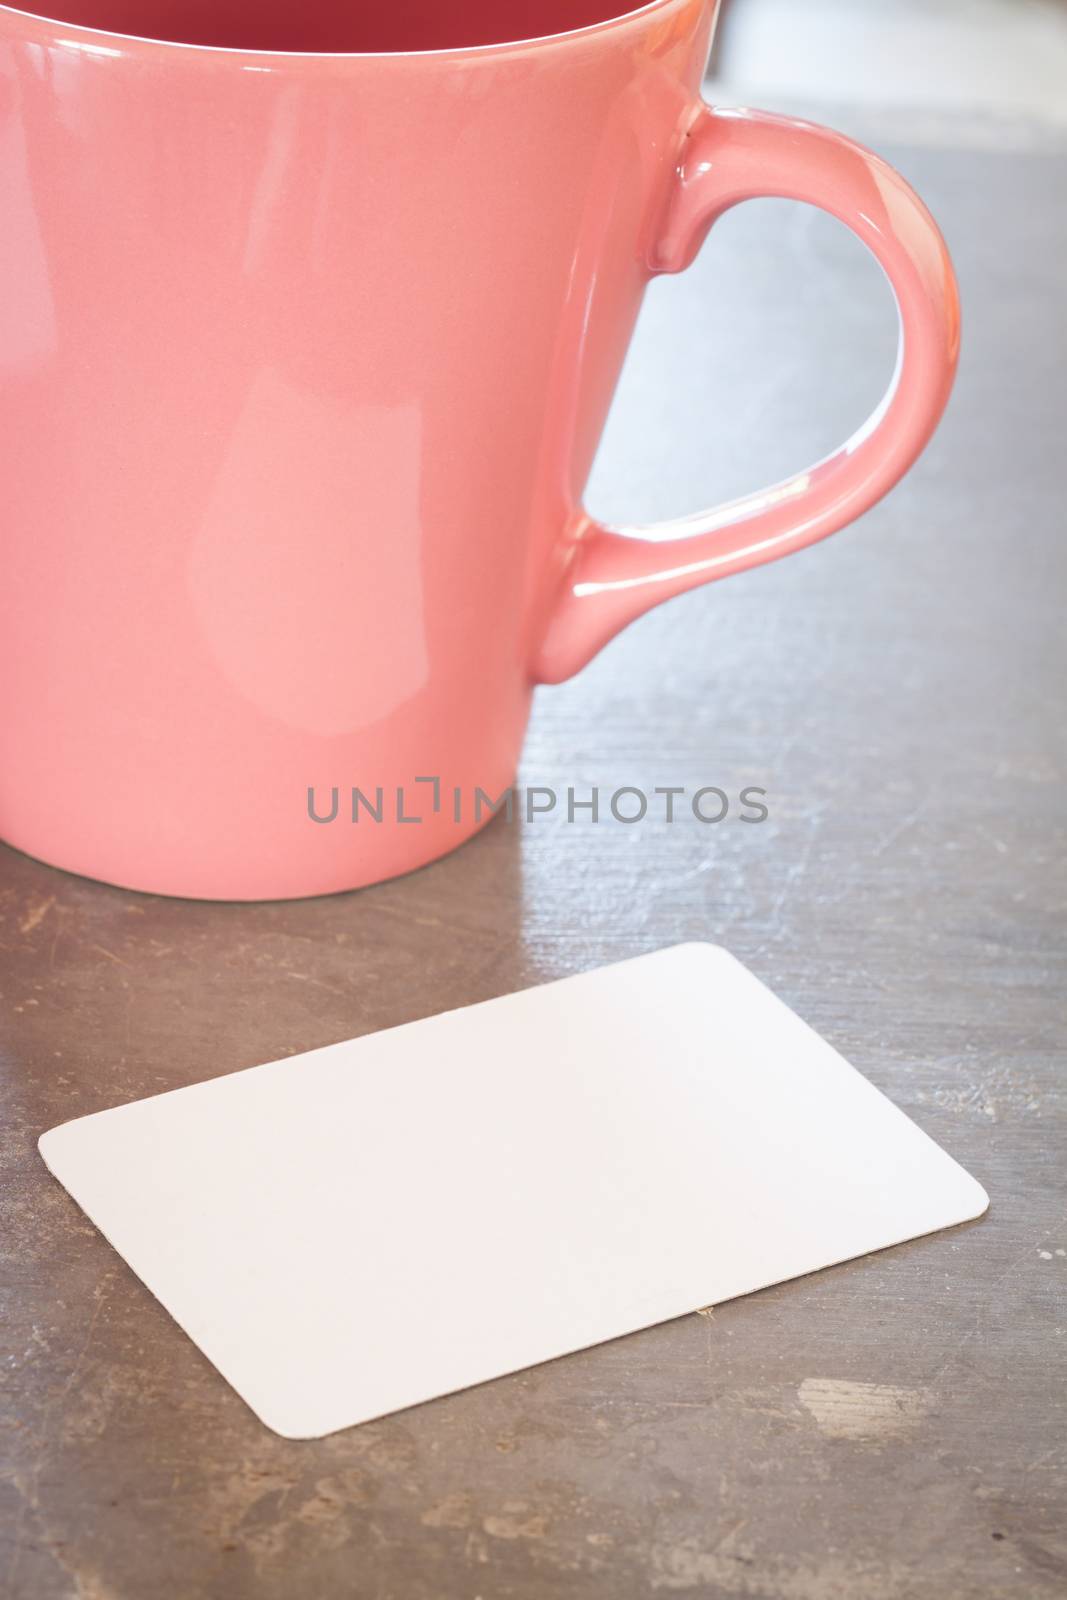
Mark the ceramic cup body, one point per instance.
(303, 362)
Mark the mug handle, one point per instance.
(614, 574)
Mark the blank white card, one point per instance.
(366, 1226)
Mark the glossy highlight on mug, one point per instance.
(304, 358)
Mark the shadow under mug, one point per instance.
(309, 323)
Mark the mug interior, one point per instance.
(341, 26)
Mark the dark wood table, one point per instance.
(891, 1428)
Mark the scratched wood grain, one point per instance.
(892, 1428)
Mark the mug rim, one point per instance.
(449, 52)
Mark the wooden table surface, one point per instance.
(891, 1428)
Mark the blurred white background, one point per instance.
(966, 70)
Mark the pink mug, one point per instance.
(310, 316)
